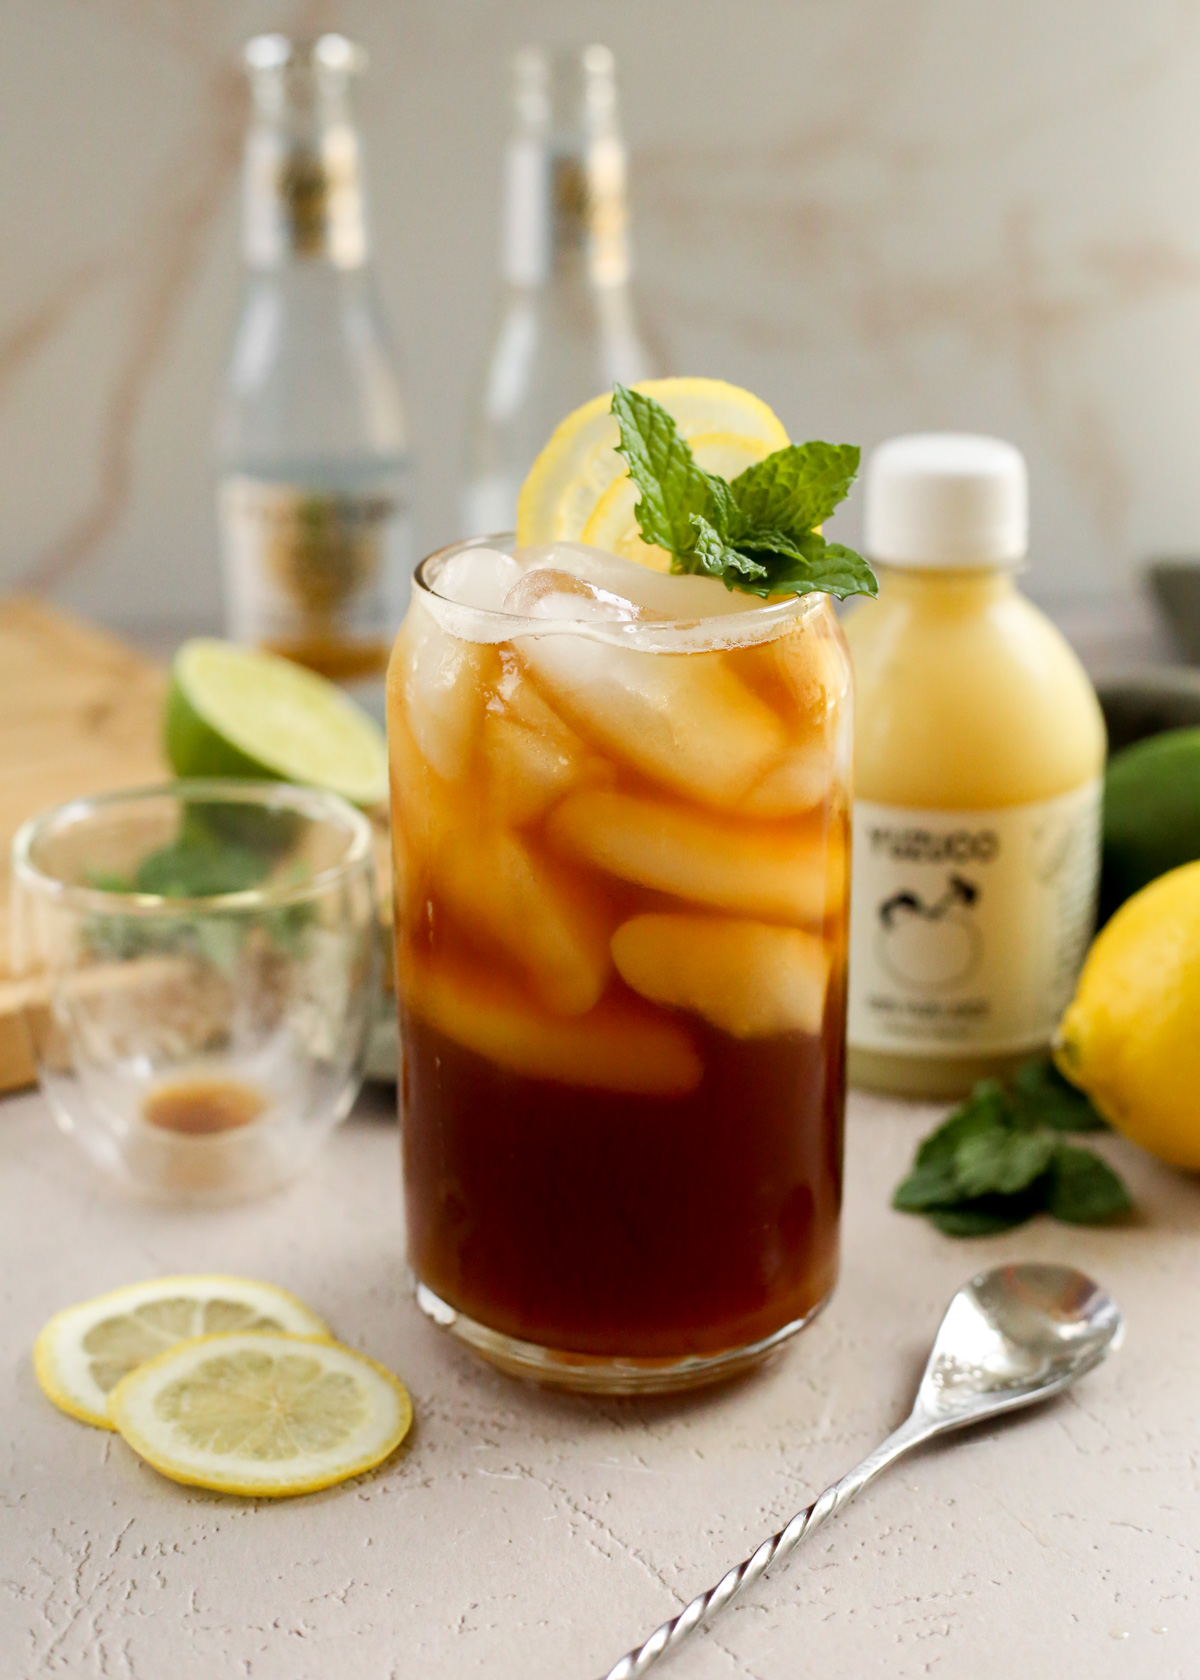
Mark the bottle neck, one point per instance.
(565, 214)
(303, 198)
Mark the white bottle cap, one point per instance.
(946, 499)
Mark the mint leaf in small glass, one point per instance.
(196, 869)
(756, 534)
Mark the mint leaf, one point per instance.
(755, 534)
(795, 488)
(715, 557)
(673, 488)
(187, 869)
(986, 1108)
(828, 567)
(1045, 1098)
(984, 1218)
(1084, 1190)
(1002, 1160)
(931, 1186)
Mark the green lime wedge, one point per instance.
(233, 712)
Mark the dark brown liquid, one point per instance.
(611, 1224)
(625, 1177)
(200, 1107)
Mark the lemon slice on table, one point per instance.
(261, 1415)
(613, 524)
(234, 712)
(85, 1351)
(581, 460)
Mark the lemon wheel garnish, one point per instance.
(613, 524)
(85, 1351)
(261, 1415)
(581, 460)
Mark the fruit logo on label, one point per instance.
(932, 945)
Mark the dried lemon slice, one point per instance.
(84, 1351)
(581, 461)
(261, 1415)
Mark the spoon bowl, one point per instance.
(1013, 1336)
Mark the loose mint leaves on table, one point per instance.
(1003, 1156)
(758, 533)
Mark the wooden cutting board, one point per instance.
(79, 713)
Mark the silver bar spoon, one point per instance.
(1010, 1337)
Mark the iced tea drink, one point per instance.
(620, 820)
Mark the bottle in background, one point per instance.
(567, 326)
(979, 750)
(313, 445)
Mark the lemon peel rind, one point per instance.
(48, 1360)
(176, 1470)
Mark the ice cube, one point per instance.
(776, 873)
(801, 780)
(682, 719)
(666, 596)
(746, 978)
(547, 592)
(815, 671)
(614, 1048)
(477, 577)
(444, 682)
(532, 756)
(424, 808)
(495, 887)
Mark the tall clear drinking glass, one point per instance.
(621, 894)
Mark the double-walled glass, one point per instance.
(621, 896)
(201, 966)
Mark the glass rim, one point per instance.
(318, 804)
(768, 618)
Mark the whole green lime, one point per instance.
(1151, 813)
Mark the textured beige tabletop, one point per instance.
(525, 1536)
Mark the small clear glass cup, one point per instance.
(201, 964)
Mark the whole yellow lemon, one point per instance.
(1131, 1036)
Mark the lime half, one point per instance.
(233, 712)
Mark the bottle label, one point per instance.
(315, 574)
(968, 928)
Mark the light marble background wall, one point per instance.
(880, 214)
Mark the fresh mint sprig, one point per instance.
(758, 533)
(1001, 1158)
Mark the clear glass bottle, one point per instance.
(567, 326)
(312, 445)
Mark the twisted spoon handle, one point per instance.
(639, 1661)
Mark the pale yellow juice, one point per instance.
(979, 747)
